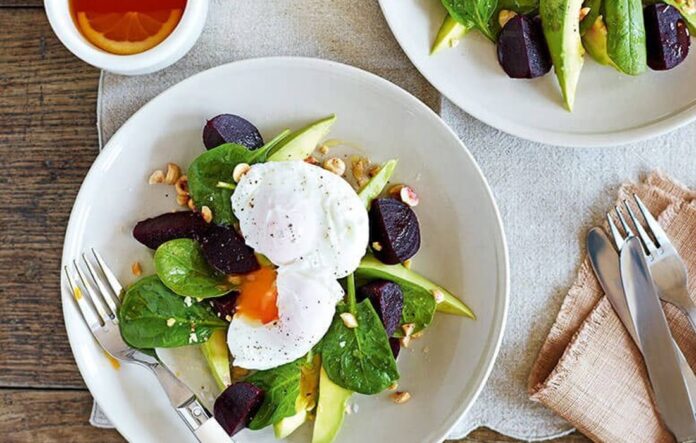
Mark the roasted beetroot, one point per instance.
(666, 35)
(395, 345)
(236, 406)
(152, 232)
(522, 49)
(388, 301)
(225, 306)
(224, 249)
(394, 231)
(230, 128)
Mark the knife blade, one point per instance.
(605, 263)
(656, 344)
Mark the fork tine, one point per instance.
(615, 234)
(110, 277)
(648, 244)
(92, 294)
(653, 225)
(105, 292)
(87, 312)
(627, 229)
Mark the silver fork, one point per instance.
(97, 296)
(666, 266)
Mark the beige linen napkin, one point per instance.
(589, 371)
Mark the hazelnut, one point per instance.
(405, 193)
(239, 171)
(377, 246)
(405, 341)
(408, 328)
(173, 173)
(335, 165)
(182, 199)
(191, 205)
(504, 16)
(374, 170)
(393, 387)
(349, 320)
(311, 160)
(323, 149)
(181, 185)
(136, 269)
(400, 397)
(207, 214)
(156, 178)
(583, 12)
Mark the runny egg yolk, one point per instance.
(258, 295)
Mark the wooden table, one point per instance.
(48, 140)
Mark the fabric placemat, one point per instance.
(548, 196)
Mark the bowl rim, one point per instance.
(172, 48)
(499, 321)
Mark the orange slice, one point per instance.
(130, 32)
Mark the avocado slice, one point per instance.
(560, 21)
(450, 32)
(595, 42)
(300, 144)
(330, 410)
(306, 401)
(217, 356)
(376, 184)
(373, 268)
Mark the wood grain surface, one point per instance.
(48, 141)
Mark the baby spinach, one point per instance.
(359, 359)
(152, 316)
(181, 266)
(626, 35)
(215, 166)
(281, 386)
(473, 12)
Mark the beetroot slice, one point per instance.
(152, 232)
(522, 48)
(388, 301)
(394, 227)
(224, 249)
(236, 406)
(230, 128)
(666, 35)
(225, 306)
(395, 345)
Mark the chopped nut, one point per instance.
(136, 269)
(191, 205)
(358, 168)
(335, 165)
(400, 397)
(349, 320)
(181, 185)
(405, 341)
(234, 279)
(418, 334)
(377, 246)
(407, 263)
(182, 199)
(393, 387)
(228, 317)
(583, 12)
(156, 178)
(405, 193)
(207, 214)
(238, 373)
(408, 328)
(323, 149)
(438, 295)
(239, 171)
(173, 173)
(504, 16)
(311, 160)
(171, 322)
(374, 170)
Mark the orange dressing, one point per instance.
(126, 27)
(114, 363)
(258, 295)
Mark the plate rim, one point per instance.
(652, 130)
(72, 233)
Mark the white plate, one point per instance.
(610, 108)
(463, 242)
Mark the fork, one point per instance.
(666, 266)
(98, 297)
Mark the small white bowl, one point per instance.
(175, 46)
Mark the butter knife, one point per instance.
(605, 263)
(656, 344)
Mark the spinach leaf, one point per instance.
(214, 167)
(688, 10)
(152, 316)
(626, 35)
(181, 266)
(476, 12)
(281, 386)
(359, 359)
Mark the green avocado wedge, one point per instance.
(449, 34)
(373, 268)
(595, 42)
(218, 358)
(626, 35)
(306, 401)
(330, 409)
(560, 21)
(376, 184)
(301, 143)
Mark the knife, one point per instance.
(605, 262)
(655, 339)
